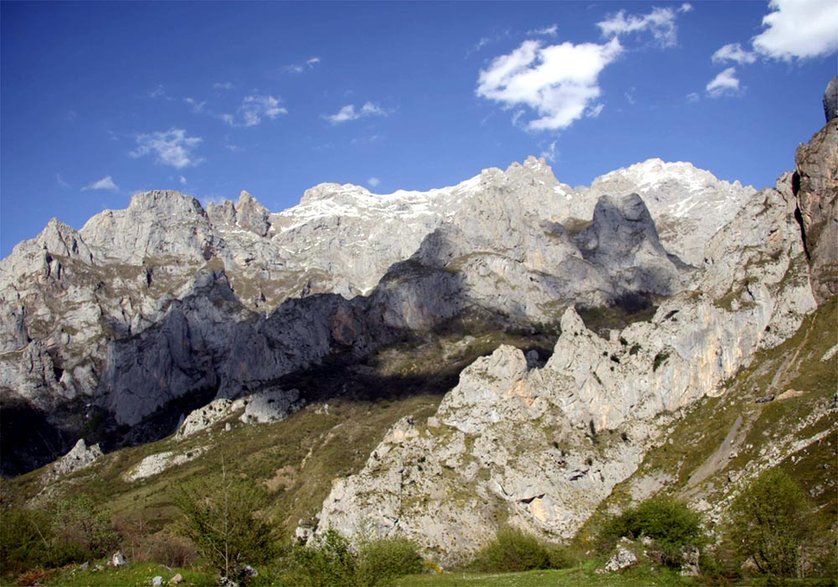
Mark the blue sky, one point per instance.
(100, 100)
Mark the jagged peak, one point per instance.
(154, 199)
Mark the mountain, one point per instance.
(508, 350)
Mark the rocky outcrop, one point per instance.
(160, 462)
(830, 100)
(80, 457)
(816, 189)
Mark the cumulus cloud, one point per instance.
(734, 52)
(349, 112)
(724, 84)
(253, 110)
(799, 29)
(106, 184)
(558, 82)
(374, 182)
(172, 147)
(660, 23)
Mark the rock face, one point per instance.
(830, 99)
(166, 303)
(816, 188)
(542, 447)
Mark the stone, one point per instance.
(157, 581)
(160, 462)
(622, 559)
(270, 406)
(118, 559)
(176, 580)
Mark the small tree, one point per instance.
(223, 524)
(671, 524)
(769, 523)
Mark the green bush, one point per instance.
(330, 563)
(769, 523)
(382, 561)
(513, 550)
(81, 531)
(671, 524)
(25, 540)
(333, 563)
(223, 523)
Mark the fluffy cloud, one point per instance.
(253, 110)
(799, 29)
(735, 53)
(558, 82)
(349, 112)
(724, 84)
(374, 182)
(172, 147)
(106, 184)
(660, 22)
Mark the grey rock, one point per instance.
(270, 406)
(157, 581)
(622, 559)
(830, 99)
(816, 190)
(80, 456)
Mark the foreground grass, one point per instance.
(584, 576)
(132, 575)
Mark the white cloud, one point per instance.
(693, 97)
(799, 29)
(222, 86)
(60, 181)
(724, 84)
(660, 22)
(172, 147)
(253, 110)
(374, 182)
(594, 111)
(182, 180)
(558, 82)
(349, 112)
(106, 184)
(197, 107)
(549, 31)
(685, 8)
(549, 153)
(158, 93)
(735, 53)
(302, 67)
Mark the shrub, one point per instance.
(513, 550)
(25, 537)
(671, 524)
(81, 531)
(769, 523)
(222, 523)
(382, 561)
(332, 562)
